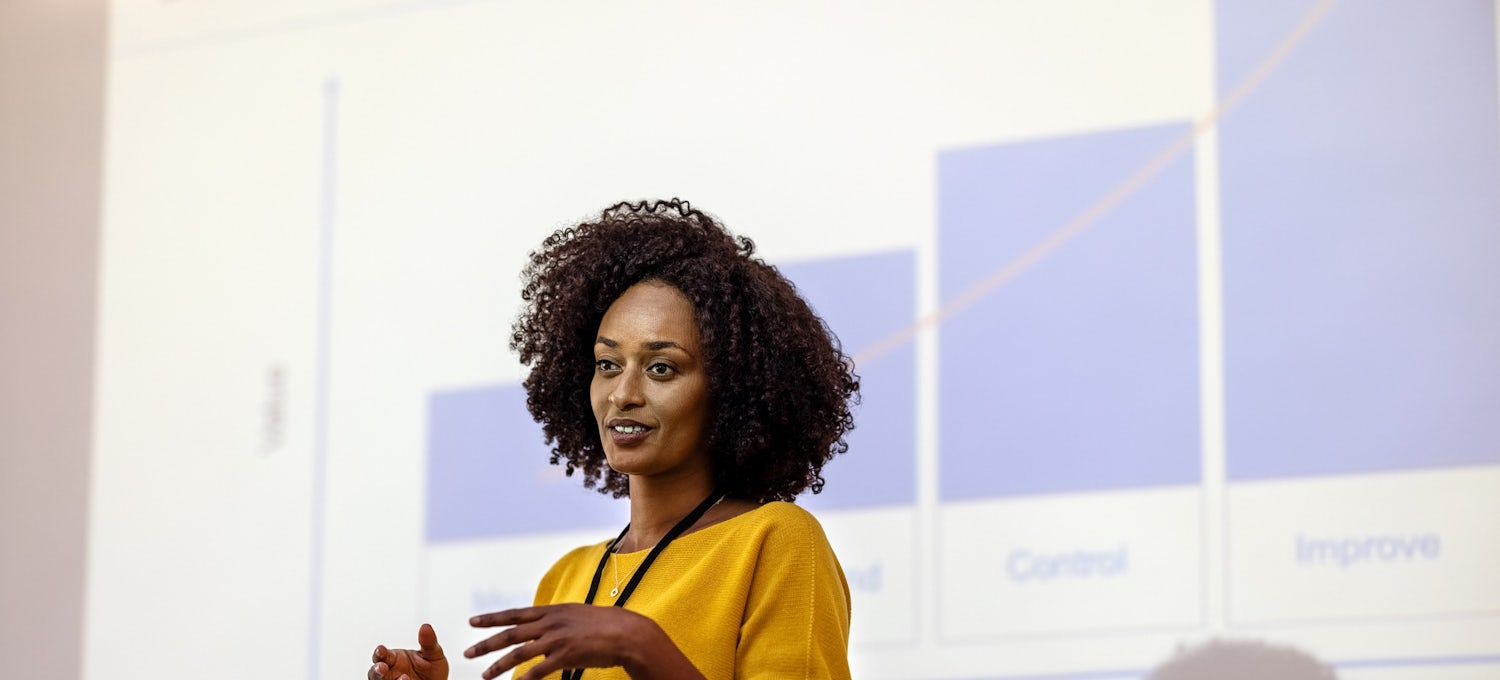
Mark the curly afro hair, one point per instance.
(775, 422)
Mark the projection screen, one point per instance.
(1176, 320)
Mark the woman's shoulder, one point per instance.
(780, 521)
(584, 553)
(580, 559)
(782, 512)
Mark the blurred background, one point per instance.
(1176, 319)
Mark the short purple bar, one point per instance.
(488, 476)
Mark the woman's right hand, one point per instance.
(425, 663)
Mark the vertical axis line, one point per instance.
(1211, 435)
(928, 499)
(320, 415)
(1210, 286)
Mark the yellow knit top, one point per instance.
(760, 595)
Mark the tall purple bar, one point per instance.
(1081, 374)
(1360, 189)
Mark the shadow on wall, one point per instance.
(1242, 660)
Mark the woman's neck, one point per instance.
(656, 505)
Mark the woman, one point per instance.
(671, 367)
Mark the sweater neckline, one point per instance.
(690, 536)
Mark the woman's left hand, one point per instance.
(579, 636)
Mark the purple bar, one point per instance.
(488, 474)
(1081, 374)
(864, 300)
(1361, 232)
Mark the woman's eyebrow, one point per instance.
(654, 345)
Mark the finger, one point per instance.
(509, 617)
(427, 641)
(379, 654)
(513, 659)
(503, 639)
(377, 672)
(548, 665)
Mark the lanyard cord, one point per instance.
(682, 525)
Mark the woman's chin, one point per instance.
(621, 464)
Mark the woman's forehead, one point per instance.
(651, 312)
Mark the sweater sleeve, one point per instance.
(796, 622)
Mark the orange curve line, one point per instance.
(1104, 205)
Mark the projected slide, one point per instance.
(1360, 319)
(1174, 320)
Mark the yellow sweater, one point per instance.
(760, 595)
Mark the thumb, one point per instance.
(427, 639)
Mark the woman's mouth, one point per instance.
(627, 432)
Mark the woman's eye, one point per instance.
(659, 369)
(605, 365)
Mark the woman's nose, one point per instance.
(627, 393)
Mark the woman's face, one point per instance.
(650, 391)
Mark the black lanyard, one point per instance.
(682, 525)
